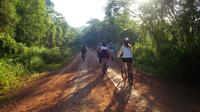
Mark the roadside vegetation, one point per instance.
(33, 39)
(165, 35)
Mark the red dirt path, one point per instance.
(79, 87)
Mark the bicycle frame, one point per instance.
(127, 72)
(104, 65)
(124, 71)
(83, 56)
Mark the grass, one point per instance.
(18, 70)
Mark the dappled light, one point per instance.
(99, 56)
(141, 1)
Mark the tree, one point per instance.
(34, 22)
(8, 21)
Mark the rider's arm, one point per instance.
(119, 52)
(130, 46)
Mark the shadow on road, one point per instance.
(120, 98)
(74, 99)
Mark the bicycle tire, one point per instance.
(83, 57)
(123, 73)
(130, 76)
(104, 69)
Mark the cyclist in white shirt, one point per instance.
(125, 52)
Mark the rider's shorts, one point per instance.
(127, 60)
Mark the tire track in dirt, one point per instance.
(148, 95)
(80, 87)
(43, 93)
(60, 87)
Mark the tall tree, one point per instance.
(34, 22)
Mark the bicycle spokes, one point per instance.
(130, 76)
(127, 74)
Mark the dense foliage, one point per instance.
(165, 35)
(165, 32)
(33, 38)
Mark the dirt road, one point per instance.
(79, 87)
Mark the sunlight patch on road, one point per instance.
(142, 103)
(116, 78)
(70, 65)
(95, 56)
(84, 70)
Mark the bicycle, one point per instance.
(83, 56)
(126, 71)
(112, 54)
(105, 66)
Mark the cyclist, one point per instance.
(112, 51)
(99, 52)
(83, 52)
(125, 53)
(105, 54)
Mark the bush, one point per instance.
(10, 74)
(28, 61)
(36, 64)
(145, 56)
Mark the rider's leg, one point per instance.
(123, 69)
(129, 64)
(83, 56)
(113, 54)
(106, 59)
(130, 73)
(102, 65)
(122, 65)
(106, 62)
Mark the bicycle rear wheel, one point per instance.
(130, 76)
(123, 73)
(83, 57)
(104, 67)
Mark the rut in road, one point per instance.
(80, 87)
